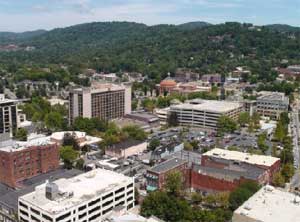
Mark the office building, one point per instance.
(103, 100)
(8, 117)
(205, 113)
(272, 104)
(269, 204)
(87, 197)
(23, 160)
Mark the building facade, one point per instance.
(126, 148)
(205, 113)
(87, 197)
(105, 101)
(156, 176)
(23, 161)
(8, 117)
(224, 170)
(272, 104)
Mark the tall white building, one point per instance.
(88, 197)
(205, 113)
(103, 100)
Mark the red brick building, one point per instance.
(156, 176)
(19, 162)
(223, 170)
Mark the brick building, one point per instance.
(23, 160)
(223, 170)
(156, 176)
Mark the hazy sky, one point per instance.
(23, 15)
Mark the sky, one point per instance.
(26, 15)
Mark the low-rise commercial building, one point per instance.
(23, 160)
(81, 137)
(269, 205)
(205, 113)
(126, 148)
(272, 104)
(223, 170)
(157, 175)
(88, 197)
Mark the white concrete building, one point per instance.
(269, 205)
(272, 104)
(103, 100)
(88, 197)
(205, 113)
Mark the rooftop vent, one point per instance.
(52, 191)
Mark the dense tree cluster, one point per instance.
(156, 50)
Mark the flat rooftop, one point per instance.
(242, 157)
(100, 87)
(271, 205)
(9, 197)
(266, 95)
(35, 140)
(214, 106)
(168, 165)
(82, 187)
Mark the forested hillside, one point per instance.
(157, 50)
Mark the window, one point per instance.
(63, 216)
(34, 218)
(94, 209)
(107, 196)
(35, 211)
(94, 217)
(47, 217)
(82, 215)
(94, 202)
(24, 213)
(82, 208)
(23, 205)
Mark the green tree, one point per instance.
(54, 121)
(70, 140)
(154, 143)
(21, 134)
(188, 146)
(261, 142)
(279, 133)
(80, 164)
(278, 180)
(68, 155)
(172, 119)
(166, 207)
(242, 193)
(226, 125)
(244, 118)
(174, 183)
(287, 171)
(134, 132)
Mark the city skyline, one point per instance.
(29, 15)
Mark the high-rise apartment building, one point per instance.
(90, 197)
(105, 101)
